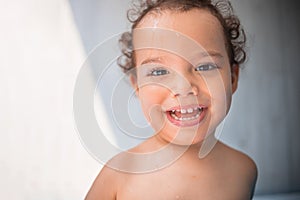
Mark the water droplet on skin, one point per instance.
(155, 23)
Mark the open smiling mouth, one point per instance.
(186, 116)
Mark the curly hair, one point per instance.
(235, 37)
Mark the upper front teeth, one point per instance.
(190, 110)
(184, 111)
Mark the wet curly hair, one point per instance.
(235, 38)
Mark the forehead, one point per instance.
(198, 25)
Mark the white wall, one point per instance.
(41, 52)
(43, 45)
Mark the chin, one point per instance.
(184, 137)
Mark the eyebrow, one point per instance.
(153, 60)
(202, 54)
(211, 54)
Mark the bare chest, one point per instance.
(190, 185)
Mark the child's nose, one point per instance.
(185, 86)
(192, 90)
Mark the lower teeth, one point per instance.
(185, 118)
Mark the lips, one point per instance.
(186, 115)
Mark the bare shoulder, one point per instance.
(237, 161)
(239, 164)
(105, 185)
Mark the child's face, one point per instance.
(184, 81)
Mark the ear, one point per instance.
(234, 76)
(133, 82)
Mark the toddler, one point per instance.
(182, 58)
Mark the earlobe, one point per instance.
(133, 82)
(234, 77)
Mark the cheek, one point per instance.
(152, 98)
(228, 90)
(220, 91)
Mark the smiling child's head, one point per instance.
(183, 59)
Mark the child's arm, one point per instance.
(254, 179)
(251, 173)
(104, 186)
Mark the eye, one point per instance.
(206, 67)
(158, 72)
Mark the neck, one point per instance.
(200, 149)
